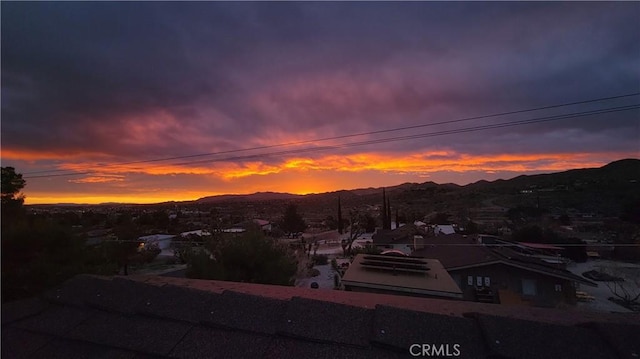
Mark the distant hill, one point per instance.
(604, 190)
(259, 196)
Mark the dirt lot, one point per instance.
(629, 271)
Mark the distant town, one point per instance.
(562, 240)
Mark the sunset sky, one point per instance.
(154, 101)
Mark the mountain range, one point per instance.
(616, 181)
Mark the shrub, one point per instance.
(249, 258)
(313, 272)
(334, 265)
(368, 249)
(319, 259)
(150, 252)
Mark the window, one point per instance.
(487, 281)
(528, 287)
(470, 280)
(479, 281)
(558, 287)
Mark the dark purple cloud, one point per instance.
(164, 79)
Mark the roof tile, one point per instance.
(121, 295)
(246, 312)
(293, 348)
(141, 334)
(77, 290)
(401, 328)
(21, 309)
(18, 343)
(63, 349)
(56, 320)
(507, 337)
(624, 338)
(173, 302)
(327, 322)
(203, 342)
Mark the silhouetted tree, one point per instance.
(292, 221)
(369, 223)
(357, 226)
(12, 200)
(441, 218)
(340, 223)
(384, 209)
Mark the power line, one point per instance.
(416, 136)
(425, 245)
(384, 140)
(350, 135)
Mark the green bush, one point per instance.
(251, 258)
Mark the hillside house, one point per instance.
(404, 239)
(497, 274)
(410, 276)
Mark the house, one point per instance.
(264, 225)
(403, 239)
(401, 276)
(440, 229)
(147, 316)
(199, 233)
(497, 274)
(261, 224)
(163, 241)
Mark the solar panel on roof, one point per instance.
(395, 259)
(394, 269)
(394, 264)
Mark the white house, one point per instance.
(441, 229)
(163, 241)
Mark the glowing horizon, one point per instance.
(370, 99)
(303, 176)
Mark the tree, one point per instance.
(12, 184)
(441, 218)
(340, 222)
(626, 289)
(125, 248)
(292, 222)
(369, 223)
(386, 211)
(251, 258)
(357, 226)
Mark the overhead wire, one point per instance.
(360, 143)
(295, 143)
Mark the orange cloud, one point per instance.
(300, 175)
(100, 178)
(38, 155)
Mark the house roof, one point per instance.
(386, 273)
(156, 237)
(457, 252)
(444, 229)
(540, 246)
(153, 317)
(402, 234)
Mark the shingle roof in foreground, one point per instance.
(161, 317)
